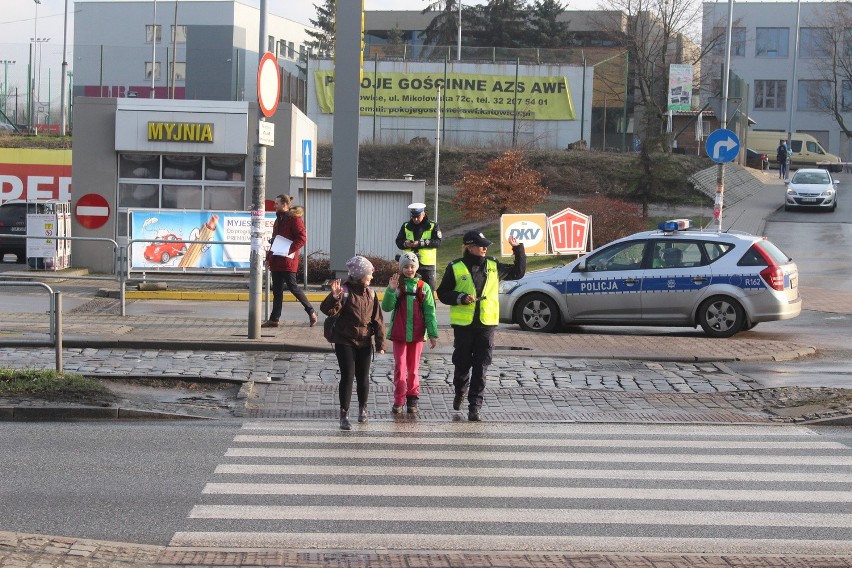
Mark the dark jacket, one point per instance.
(360, 316)
(417, 229)
(291, 226)
(476, 265)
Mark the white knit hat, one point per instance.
(407, 258)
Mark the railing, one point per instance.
(55, 330)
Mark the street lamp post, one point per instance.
(36, 80)
(62, 91)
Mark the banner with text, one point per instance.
(173, 228)
(529, 228)
(464, 95)
(680, 86)
(35, 174)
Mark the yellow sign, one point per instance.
(464, 95)
(528, 228)
(180, 132)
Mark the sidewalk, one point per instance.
(38, 551)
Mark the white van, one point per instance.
(807, 151)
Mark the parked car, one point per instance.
(811, 188)
(162, 252)
(757, 160)
(726, 282)
(13, 222)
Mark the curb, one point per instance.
(67, 413)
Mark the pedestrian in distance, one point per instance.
(359, 325)
(422, 237)
(470, 287)
(413, 305)
(283, 267)
(782, 155)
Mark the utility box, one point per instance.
(52, 220)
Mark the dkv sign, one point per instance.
(568, 232)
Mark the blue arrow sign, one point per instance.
(307, 154)
(722, 146)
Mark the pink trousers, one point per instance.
(406, 370)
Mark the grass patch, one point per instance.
(50, 385)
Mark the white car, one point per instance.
(726, 282)
(811, 187)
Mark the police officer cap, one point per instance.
(476, 238)
(417, 208)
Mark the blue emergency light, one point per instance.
(673, 225)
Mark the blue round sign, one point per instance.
(722, 146)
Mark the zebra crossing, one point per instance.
(528, 487)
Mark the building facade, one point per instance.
(764, 54)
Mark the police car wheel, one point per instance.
(721, 316)
(537, 312)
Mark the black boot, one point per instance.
(362, 413)
(344, 420)
(411, 403)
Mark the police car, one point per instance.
(726, 282)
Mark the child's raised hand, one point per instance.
(393, 283)
(433, 341)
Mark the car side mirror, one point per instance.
(786, 182)
(836, 182)
(581, 266)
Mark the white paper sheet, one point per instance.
(281, 246)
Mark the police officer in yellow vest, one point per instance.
(422, 237)
(469, 287)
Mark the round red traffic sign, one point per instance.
(92, 211)
(268, 84)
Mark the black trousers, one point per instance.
(427, 273)
(354, 364)
(279, 280)
(473, 347)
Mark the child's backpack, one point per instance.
(330, 321)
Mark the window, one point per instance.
(814, 95)
(280, 48)
(772, 42)
(270, 44)
(814, 42)
(180, 70)
(676, 254)
(738, 41)
(156, 71)
(181, 34)
(291, 52)
(847, 42)
(770, 94)
(623, 256)
(846, 96)
(149, 33)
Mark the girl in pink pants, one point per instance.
(413, 305)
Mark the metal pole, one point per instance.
(62, 91)
(305, 199)
(257, 207)
(458, 50)
(122, 278)
(794, 90)
(375, 94)
(515, 106)
(174, 51)
(624, 116)
(583, 103)
(30, 89)
(437, 146)
(718, 205)
(57, 314)
(154, 49)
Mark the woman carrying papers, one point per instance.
(282, 259)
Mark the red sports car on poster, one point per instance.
(163, 252)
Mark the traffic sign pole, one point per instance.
(720, 174)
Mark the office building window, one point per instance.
(846, 96)
(770, 94)
(847, 42)
(738, 41)
(291, 51)
(772, 42)
(180, 70)
(270, 44)
(156, 71)
(814, 95)
(815, 42)
(181, 34)
(149, 33)
(280, 48)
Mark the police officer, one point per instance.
(422, 237)
(469, 287)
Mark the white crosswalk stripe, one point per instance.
(425, 486)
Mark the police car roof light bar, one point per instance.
(674, 225)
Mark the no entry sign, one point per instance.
(92, 211)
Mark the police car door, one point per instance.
(610, 287)
(675, 282)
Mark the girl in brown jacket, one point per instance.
(359, 324)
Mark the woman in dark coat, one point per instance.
(360, 323)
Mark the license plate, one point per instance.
(809, 200)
